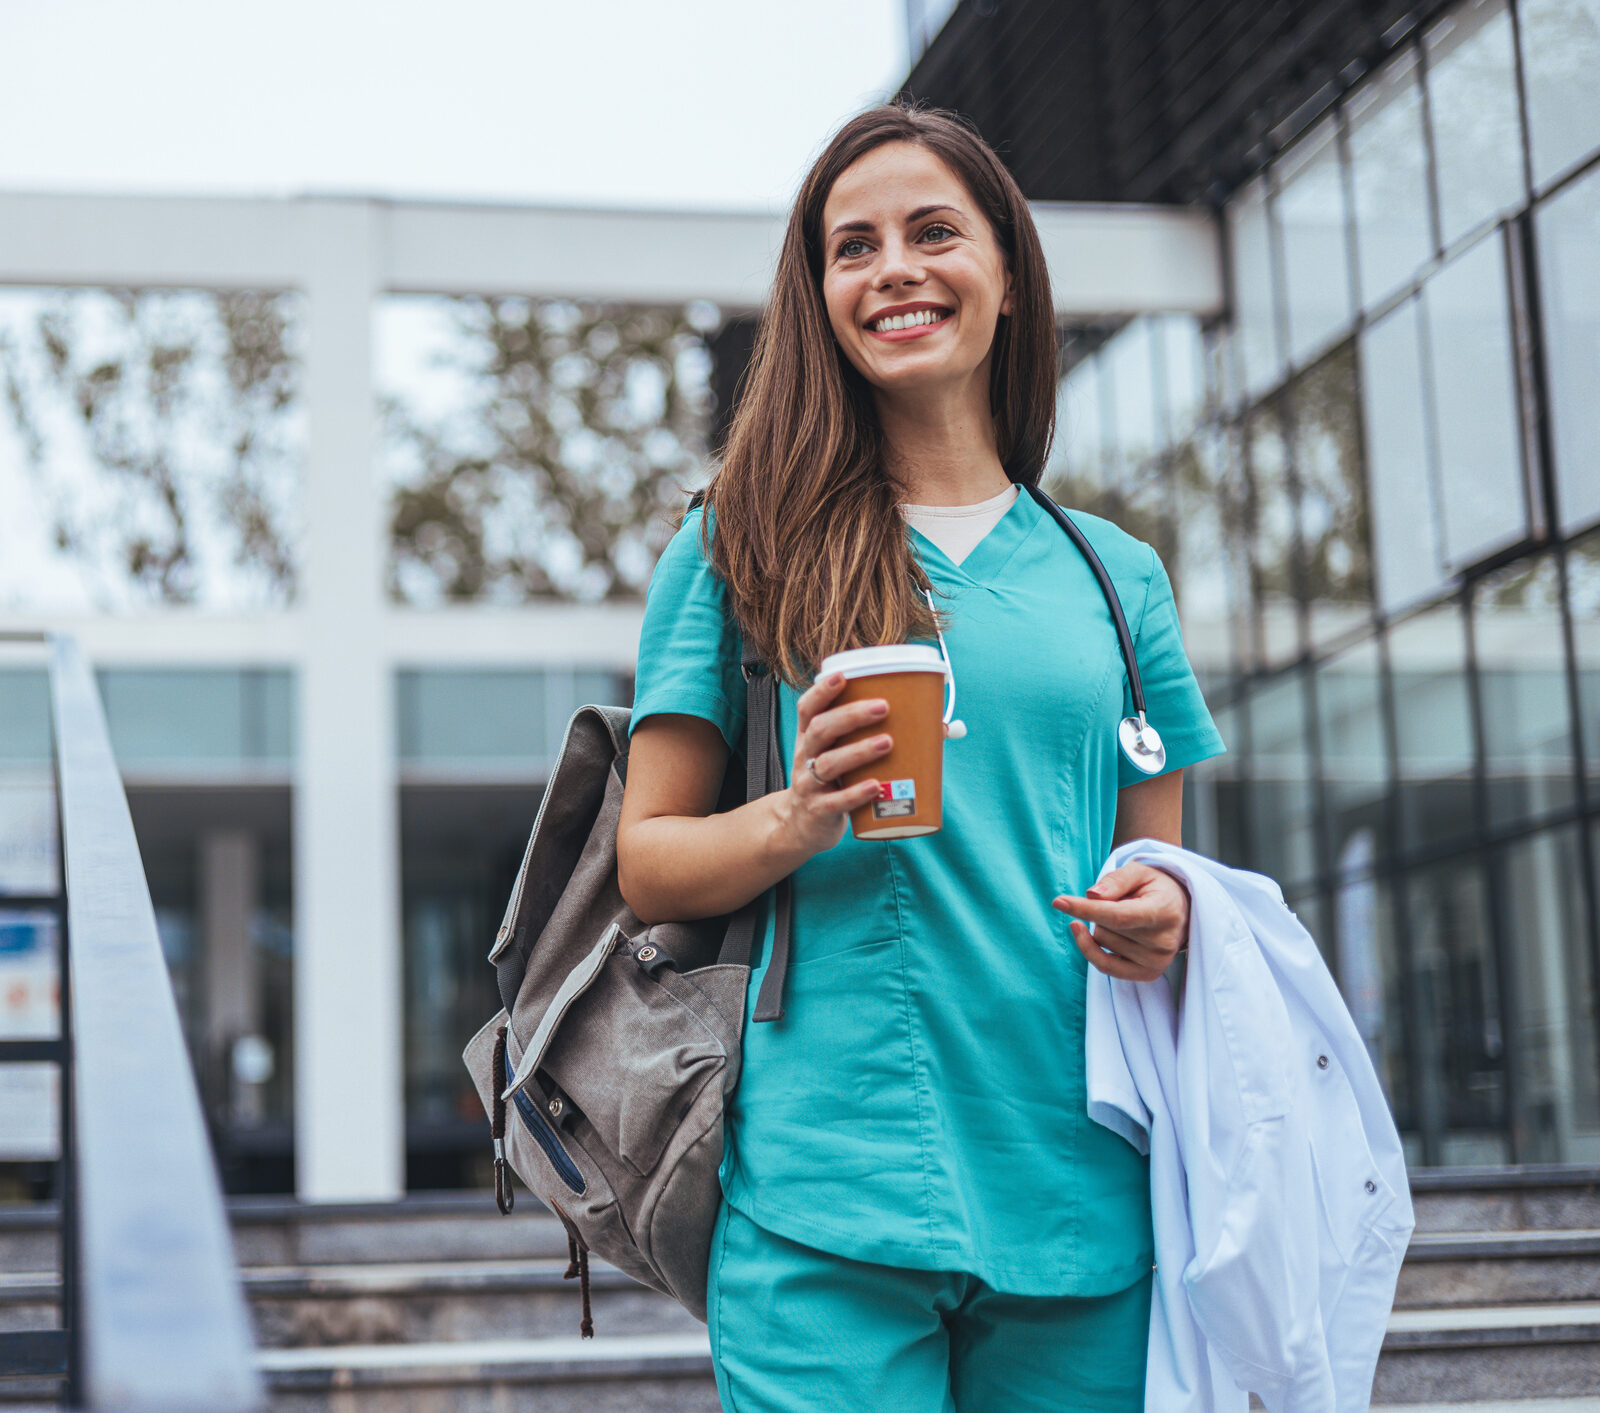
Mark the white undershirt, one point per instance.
(956, 529)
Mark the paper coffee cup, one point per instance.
(911, 775)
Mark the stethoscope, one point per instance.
(1139, 740)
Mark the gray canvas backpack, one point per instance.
(605, 1075)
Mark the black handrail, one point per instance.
(153, 1313)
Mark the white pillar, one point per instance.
(349, 1089)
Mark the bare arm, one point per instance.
(1150, 809)
(677, 860)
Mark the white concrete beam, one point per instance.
(1113, 259)
(1105, 260)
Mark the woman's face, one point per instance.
(912, 275)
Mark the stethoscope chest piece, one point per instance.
(1141, 743)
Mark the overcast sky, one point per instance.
(698, 103)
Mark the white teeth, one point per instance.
(910, 321)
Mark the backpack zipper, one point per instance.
(543, 1134)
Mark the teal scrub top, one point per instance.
(921, 1103)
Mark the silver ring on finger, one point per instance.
(811, 765)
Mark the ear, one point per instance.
(1005, 300)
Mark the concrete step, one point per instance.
(408, 1303)
(1499, 1268)
(660, 1373)
(1506, 1199)
(282, 1232)
(1453, 1355)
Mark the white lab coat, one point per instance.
(1277, 1181)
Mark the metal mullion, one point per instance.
(1514, 10)
(71, 1309)
(1430, 158)
(1489, 860)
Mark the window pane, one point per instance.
(1129, 361)
(1281, 813)
(1472, 104)
(1568, 233)
(1462, 1087)
(1433, 727)
(1273, 538)
(1583, 579)
(1334, 537)
(1181, 365)
(1560, 56)
(452, 720)
(1311, 214)
(1355, 757)
(1079, 430)
(203, 721)
(1220, 794)
(1256, 329)
(1474, 399)
(1367, 963)
(1211, 574)
(1404, 526)
(1551, 1007)
(1522, 682)
(1389, 170)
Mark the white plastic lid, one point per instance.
(895, 657)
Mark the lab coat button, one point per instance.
(1322, 1062)
(1371, 1186)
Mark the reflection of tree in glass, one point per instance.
(588, 421)
(156, 425)
(1325, 406)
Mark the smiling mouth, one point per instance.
(904, 322)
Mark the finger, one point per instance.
(832, 764)
(828, 726)
(852, 797)
(815, 698)
(1109, 963)
(1138, 950)
(1119, 882)
(1126, 915)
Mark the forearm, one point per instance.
(681, 867)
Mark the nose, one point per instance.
(899, 265)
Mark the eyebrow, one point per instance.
(916, 215)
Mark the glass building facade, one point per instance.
(1377, 486)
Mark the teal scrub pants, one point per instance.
(794, 1330)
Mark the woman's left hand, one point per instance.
(1141, 921)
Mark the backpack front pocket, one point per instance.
(633, 1058)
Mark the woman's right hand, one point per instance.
(816, 813)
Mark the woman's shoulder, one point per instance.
(684, 565)
(1128, 559)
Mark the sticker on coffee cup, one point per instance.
(895, 797)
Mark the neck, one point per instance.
(940, 448)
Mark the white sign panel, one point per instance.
(30, 1008)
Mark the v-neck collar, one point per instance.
(990, 555)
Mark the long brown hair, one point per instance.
(808, 537)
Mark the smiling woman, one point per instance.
(918, 1213)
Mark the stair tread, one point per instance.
(1494, 1317)
(552, 1350)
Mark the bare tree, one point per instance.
(156, 428)
(588, 422)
